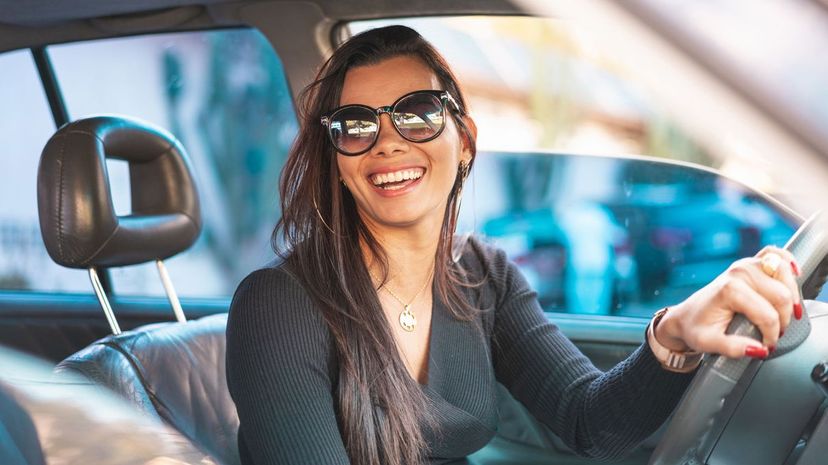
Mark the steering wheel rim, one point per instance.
(717, 387)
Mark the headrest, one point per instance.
(77, 216)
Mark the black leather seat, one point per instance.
(58, 419)
(174, 371)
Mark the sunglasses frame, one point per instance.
(444, 96)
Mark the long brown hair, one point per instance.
(382, 411)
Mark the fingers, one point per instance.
(769, 302)
(775, 291)
(787, 274)
(773, 249)
(743, 298)
(733, 346)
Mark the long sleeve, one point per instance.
(597, 414)
(278, 374)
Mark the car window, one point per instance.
(604, 235)
(223, 94)
(640, 235)
(25, 126)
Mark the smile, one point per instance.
(396, 179)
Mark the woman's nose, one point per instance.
(389, 141)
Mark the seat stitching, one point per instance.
(87, 133)
(60, 200)
(105, 243)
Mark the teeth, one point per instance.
(397, 176)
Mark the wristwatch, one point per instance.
(678, 362)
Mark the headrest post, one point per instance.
(171, 295)
(99, 291)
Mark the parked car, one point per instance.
(723, 99)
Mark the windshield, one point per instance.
(774, 52)
(743, 78)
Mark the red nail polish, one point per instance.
(771, 349)
(795, 269)
(798, 311)
(781, 332)
(756, 352)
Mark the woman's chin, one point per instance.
(404, 216)
(398, 220)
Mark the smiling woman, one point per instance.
(379, 340)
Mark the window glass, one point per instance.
(638, 235)
(25, 126)
(223, 94)
(606, 235)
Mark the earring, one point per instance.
(463, 170)
(462, 173)
(343, 183)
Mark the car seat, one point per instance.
(48, 419)
(172, 370)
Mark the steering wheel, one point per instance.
(720, 383)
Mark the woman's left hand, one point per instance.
(769, 302)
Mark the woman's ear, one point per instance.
(469, 122)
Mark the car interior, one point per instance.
(48, 419)
(165, 357)
(143, 365)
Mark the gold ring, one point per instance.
(771, 263)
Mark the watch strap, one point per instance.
(675, 361)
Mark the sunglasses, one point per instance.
(418, 116)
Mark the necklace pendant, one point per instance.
(407, 319)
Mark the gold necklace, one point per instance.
(407, 319)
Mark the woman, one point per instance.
(378, 340)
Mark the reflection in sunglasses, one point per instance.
(360, 127)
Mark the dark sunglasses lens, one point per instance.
(419, 116)
(353, 129)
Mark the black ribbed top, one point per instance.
(281, 369)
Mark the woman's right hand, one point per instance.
(700, 322)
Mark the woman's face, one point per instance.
(432, 164)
